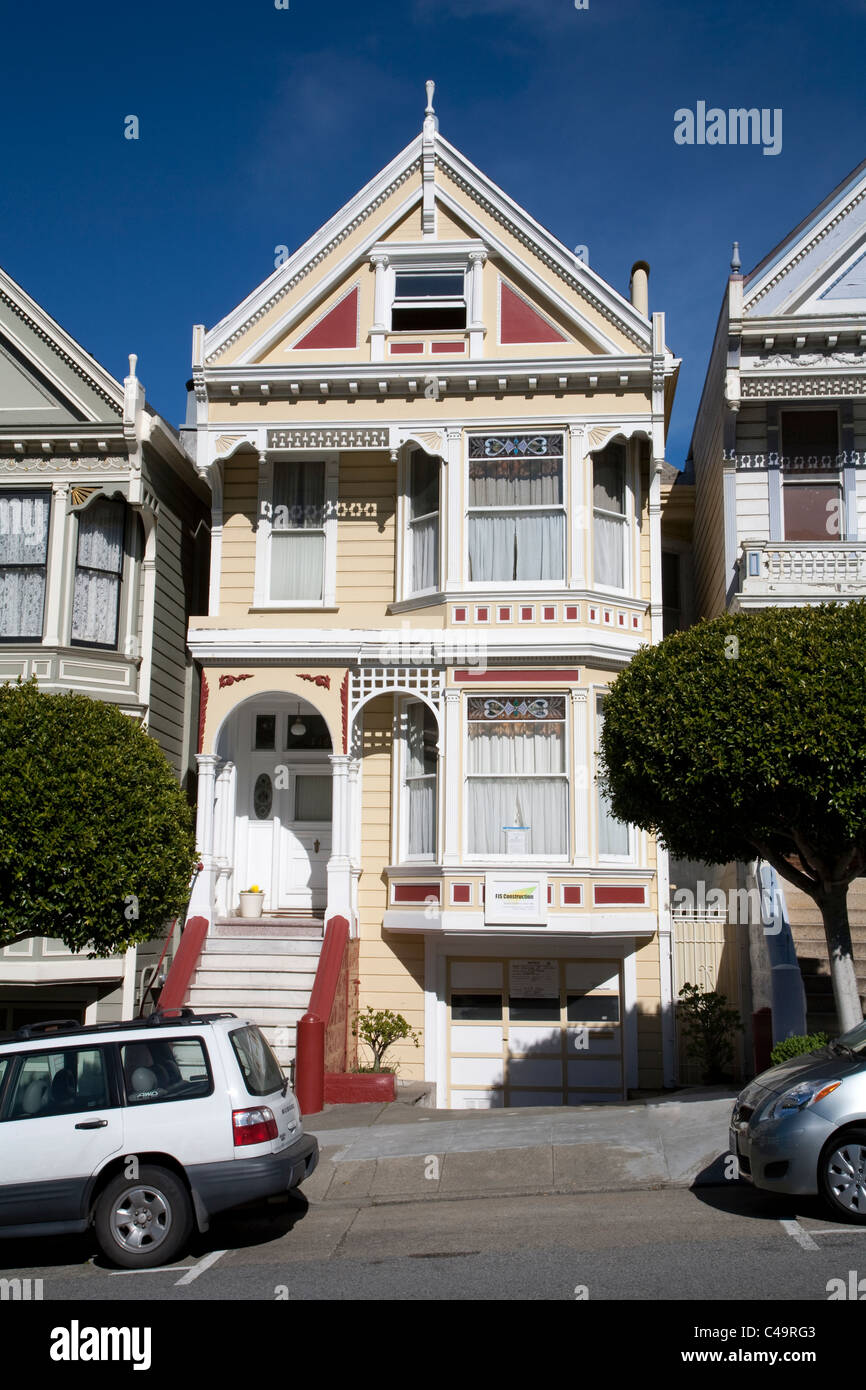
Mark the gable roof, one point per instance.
(427, 160)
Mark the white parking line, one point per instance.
(840, 1231)
(204, 1264)
(795, 1230)
(159, 1269)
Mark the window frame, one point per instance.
(408, 522)
(625, 518)
(613, 859)
(401, 742)
(424, 268)
(264, 533)
(34, 492)
(511, 586)
(792, 478)
(120, 574)
(567, 775)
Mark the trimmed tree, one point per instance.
(96, 838)
(745, 737)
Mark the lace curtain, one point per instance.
(509, 547)
(524, 755)
(421, 765)
(297, 530)
(98, 573)
(23, 551)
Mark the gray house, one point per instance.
(779, 454)
(104, 546)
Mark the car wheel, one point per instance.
(842, 1173)
(143, 1222)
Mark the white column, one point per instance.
(148, 610)
(55, 580)
(380, 308)
(583, 791)
(202, 900)
(339, 864)
(215, 478)
(454, 498)
(580, 506)
(451, 791)
(476, 303)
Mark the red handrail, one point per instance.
(183, 966)
(310, 1046)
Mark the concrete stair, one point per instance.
(810, 944)
(263, 970)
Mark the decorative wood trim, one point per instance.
(323, 681)
(234, 680)
(202, 709)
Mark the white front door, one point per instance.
(288, 832)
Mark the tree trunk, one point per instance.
(834, 910)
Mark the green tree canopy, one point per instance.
(745, 737)
(96, 838)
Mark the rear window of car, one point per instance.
(165, 1069)
(259, 1067)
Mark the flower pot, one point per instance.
(252, 904)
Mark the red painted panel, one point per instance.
(520, 323)
(415, 892)
(620, 894)
(522, 675)
(406, 347)
(571, 614)
(505, 615)
(527, 615)
(482, 615)
(339, 327)
(447, 347)
(549, 615)
(354, 1088)
(461, 893)
(460, 615)
(571, 894)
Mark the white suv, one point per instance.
(143, 1128)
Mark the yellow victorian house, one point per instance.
(434, 440)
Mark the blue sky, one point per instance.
(256, 124)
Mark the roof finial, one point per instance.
(133, 363)
(431, 120)
(735, 258)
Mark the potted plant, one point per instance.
(252, 901)
(378, 1029)
(707, 1024)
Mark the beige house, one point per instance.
(434, 440)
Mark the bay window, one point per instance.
(24, 520)
(419, 778)
(98, 574)
(517, 783)
(516, 509)
(424, 521)
(610, 522)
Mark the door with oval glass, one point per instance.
(289, 830)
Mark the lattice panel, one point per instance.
(379, 680)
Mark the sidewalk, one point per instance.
(402, 1152)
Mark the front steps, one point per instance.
(810, 943)
(261, 969)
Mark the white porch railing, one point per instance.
(807, 568)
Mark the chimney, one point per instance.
(639, 287)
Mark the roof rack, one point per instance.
(161, 1018)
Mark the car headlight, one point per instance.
(799, 1096)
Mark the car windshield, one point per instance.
(855, 1039)
(259, 1067)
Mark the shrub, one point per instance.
(707, 1024)
(380, 1029)
(797, 1045)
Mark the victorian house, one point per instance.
(778, 450)
(103, 549)
(434, 441)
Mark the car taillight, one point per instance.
(254, 1126)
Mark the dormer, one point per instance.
(428, 299)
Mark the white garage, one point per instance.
(534, 1030)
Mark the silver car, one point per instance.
(800, 1127)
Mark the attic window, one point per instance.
(428, 300)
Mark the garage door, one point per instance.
(534, 1031)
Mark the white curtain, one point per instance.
(515, 482)
(508, 547)
(23, 549)
(297, 565)
(609, 551)
(313, 798)
(98, 573)
(534, 797)
(420, 781)
(297, 535)
(425, 554)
